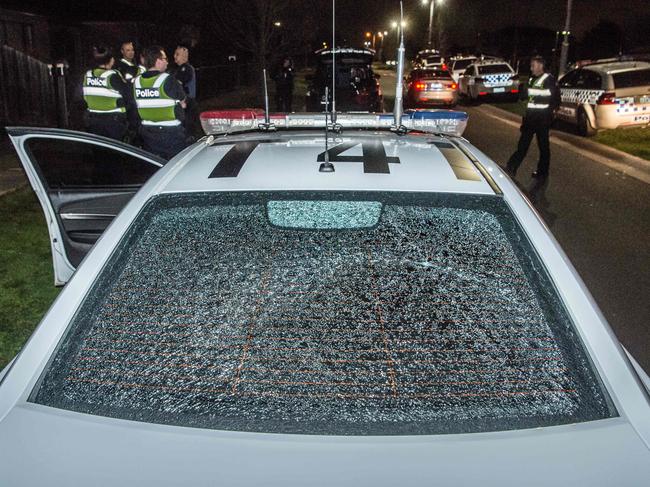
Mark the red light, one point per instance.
(607, 99)
(250, 114)
(420, 86)
(482, 93)
(444, 66)
(514, 90)
(454, 86)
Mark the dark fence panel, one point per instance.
(27, 94)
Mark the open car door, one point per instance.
(82, 182)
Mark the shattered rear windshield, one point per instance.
(325, 313)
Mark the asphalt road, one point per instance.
(599, 215)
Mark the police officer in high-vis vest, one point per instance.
(110, 109)
(160, 99)
(127, 65)
(543, 98)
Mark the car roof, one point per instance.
(290, 160)
(617, 66)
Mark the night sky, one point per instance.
(463, 18)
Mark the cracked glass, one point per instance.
(326, 313)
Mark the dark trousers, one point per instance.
(111, 125)
(284, 99)
(192, 122)
(527, 133)
(163, 141)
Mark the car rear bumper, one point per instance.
(441, 97)
(614, 116)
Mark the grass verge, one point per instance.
(635, 141)
(26, 277)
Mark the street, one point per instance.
(599, 215)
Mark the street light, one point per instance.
(431, 8)
(277, 24)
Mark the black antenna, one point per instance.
(267, 125)
(326, 166)
(398, 109)
(333, 63)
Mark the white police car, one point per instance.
(606, 95)
(252, 317)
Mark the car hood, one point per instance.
(76, 449)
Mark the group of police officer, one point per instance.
(142, 101)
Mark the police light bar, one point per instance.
(430, 121)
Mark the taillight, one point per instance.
(514, 90)
(444, 66)
(420, 86)
(607, 99)
(454, 86)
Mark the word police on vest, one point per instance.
(92, 81)
(147, 92)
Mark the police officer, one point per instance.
(110, 108)
(160, 100)
(186, 75)
(543, 98)
(127, 65)
(284, 86)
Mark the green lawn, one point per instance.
(635, 141)
(26, 278)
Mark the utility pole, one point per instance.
(430, 21)
(564, 54)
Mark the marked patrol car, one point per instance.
(488, 77)
(381, 298)
(606, 95)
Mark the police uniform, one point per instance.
(186, 75)
(158, 97)
(543, 98)
(129, 70)
(109, 103)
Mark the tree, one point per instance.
(251, 26)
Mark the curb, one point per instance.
(622, 161)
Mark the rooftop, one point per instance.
(363, 160)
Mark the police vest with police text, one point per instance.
(154, 105)
(98, 93)
(539, 98)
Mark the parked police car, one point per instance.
(458, 65)
(486, 78)
(429, 58)
(385, 302)
(606, 95)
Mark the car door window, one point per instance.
(72, 164)
(569, 79)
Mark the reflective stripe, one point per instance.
(540, 81)
(116, 110)
(161, 79)
(165, 123)
(538, 105)
(95, 91)
(156, 103)
(539, 92)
